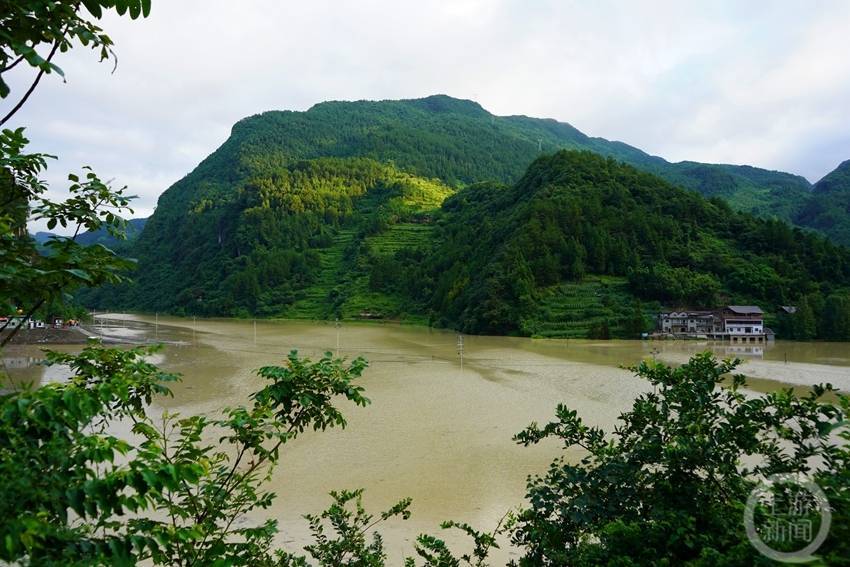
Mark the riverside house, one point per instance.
(735, 323)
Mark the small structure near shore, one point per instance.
(735, 323)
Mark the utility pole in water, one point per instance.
(460, 350)
(337, 325)
(156, 324)
(255, 332)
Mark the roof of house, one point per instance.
(745, 309)
(686, 313)
(791, 309)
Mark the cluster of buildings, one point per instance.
(734, 323)
(21, 322)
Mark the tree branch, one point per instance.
(40, 74)
(24, 322)
(42, 300)
(12, 64)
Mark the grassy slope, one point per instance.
(348, 286)
(569, 310)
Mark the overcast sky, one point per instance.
(761, 83)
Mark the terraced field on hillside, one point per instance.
(361, 301)
(568, 310)
(342, 289)
(571, 310)
(317, 301)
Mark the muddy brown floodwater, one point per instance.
(435, 431)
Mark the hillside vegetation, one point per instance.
(434, 210)
(580, 246)
(503, 253)
(292, 241)
(458, 142)
(828, 210)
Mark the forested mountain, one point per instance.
(828, 210)
(101, 236)
(456, 141)
(505, 257)
(571, 249)
(41, 236)
(339, 212)
(260, 247)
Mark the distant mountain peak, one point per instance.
(836, 180)
(843, 167)
(437, 103)
(446, 103)
(459, 142)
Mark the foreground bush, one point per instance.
(74, 492)
(670, 485)
(667, 487)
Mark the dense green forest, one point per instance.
(456, 141)
(503, 254)
(339, 212)
(263, 248)
(828, 209)
(581, 245)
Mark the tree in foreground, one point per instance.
(177, 491)
(669, 487)
(34, 33)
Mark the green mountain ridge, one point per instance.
(513, 259)
(828, 210)
(461, 143)
(457, 141)
(354, 209)
(132, 231)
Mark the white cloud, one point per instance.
(759, 83)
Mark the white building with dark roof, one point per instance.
(736, 323)
(742, 320)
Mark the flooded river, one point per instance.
(439, 429)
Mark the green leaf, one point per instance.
(93, 6)
(135, 9)
(81, 274)
(57, 69)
